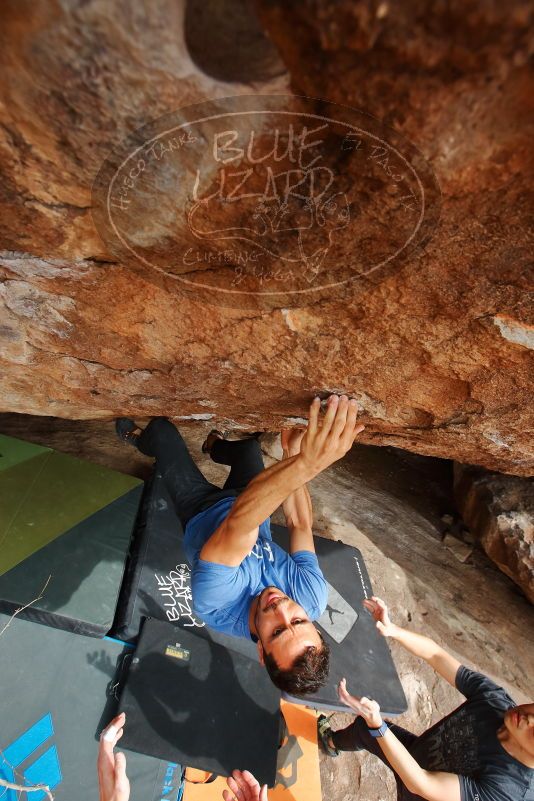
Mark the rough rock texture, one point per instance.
(438, 351)
(499, 511)
(389, 504)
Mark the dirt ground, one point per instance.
(389, 504)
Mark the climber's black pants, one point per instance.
(190, 491)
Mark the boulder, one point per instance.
(499, 511)
(436, 346)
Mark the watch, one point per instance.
(380, 731)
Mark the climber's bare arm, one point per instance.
(233, 540)
(299, 521)
(322, 445)
(297, 507)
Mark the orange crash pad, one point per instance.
(297, 776)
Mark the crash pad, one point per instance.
(59, 692)
(193, 701)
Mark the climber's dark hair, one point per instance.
(307, 674)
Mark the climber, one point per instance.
(483, 751)
(243, 583)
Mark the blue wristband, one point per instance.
(380, 731)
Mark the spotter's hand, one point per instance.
(368, 709)
(112, 779)
(244, 787)
(379, 611)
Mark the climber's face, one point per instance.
(284, 629)
(519, 723)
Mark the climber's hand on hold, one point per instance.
(323, 444)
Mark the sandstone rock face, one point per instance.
(499, 510)
(437, 347)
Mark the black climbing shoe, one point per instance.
(220, 435)
(325, 732)
(125, 428)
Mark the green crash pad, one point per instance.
(66, 526)
(82, 571)
(13, 451)
(46, 495)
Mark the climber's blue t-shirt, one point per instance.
(222, 595)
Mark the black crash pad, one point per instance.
(157, 580)
(157, 584)
(358, 652)
(193, 701)
(59, 691)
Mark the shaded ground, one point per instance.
(388, 503)
(426, 481)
